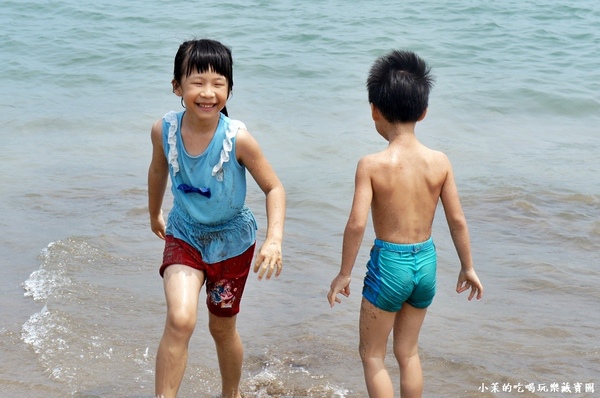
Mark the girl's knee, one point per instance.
(222, 328)
(181, 322)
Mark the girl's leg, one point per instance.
(230, 353)
(407, 327)
(182, 285)
(375, 326)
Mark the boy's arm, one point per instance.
(248, 152)
(354, 232)
(158, 174)
(457, 224)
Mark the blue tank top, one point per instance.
(209, 192)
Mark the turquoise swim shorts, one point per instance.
(398, 273)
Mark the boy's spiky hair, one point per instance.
(398, 85)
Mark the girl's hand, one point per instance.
(157, 224)
(268, 260)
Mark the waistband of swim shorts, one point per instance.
(404, 247)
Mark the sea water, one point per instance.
(516, 107)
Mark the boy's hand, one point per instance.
(268, 260)
(157, 224)
(469, 280)
(340, 284)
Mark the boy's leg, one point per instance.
(375, 326)
(230, 353)
(407, 327)
(182, 285)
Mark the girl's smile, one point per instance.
(206, 92)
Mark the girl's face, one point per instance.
(204, 94)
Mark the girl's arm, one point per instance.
(248, 152)
(158, 174)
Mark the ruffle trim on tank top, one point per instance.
(234, 126)
(171, 119)
(217, 171)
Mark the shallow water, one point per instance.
(515, 106)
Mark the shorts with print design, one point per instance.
(225, 280)
(398, 273)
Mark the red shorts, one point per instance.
(225, 280)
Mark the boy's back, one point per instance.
(406, 181)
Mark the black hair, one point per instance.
(202, 56)
(398, 85)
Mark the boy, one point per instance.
(401, 185)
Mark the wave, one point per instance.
(96, 333)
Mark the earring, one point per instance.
(182, 105)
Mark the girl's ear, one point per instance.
(176, 88)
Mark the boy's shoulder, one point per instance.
(420, 150)
(426, 159)
(372, 159)
(435, 153)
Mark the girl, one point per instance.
(210, 234)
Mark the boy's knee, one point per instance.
(362, 351)
(405, 356)
(368, 355)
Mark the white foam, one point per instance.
(36, 329)
(44, 281)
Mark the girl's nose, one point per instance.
(207, 92)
